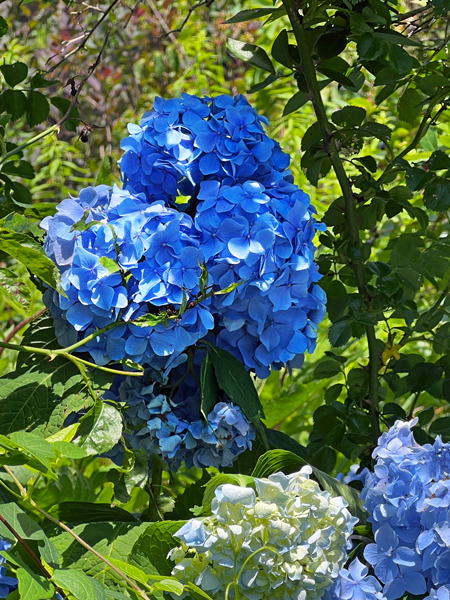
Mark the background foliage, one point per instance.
(374, 158)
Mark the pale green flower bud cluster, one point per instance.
(286, 541)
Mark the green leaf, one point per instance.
(250, 53)
(371, 48)
(436, 194)
(29, 396)
(422, 376)
(438, 161)
(13, 102)
(297, 101)
(249, 15)
(409, 105)
(197, 592)
(104, 175)
(109, 264)
(35, 445)
(38, 108)
(63, 105)
(327, 369)
(100, 429)
(263, 84)
(24, 249)
(78, 584)
(37, 81)
(235, 381)
(396, 38)
(90, 512)
(399, 59)
(280, 49)
(111, 540)
(441, 427)
(14, 289)
(21, 168)
(3, 26)
(331, 44)
(155, 544)
(21, 224)
(33, 587)
(350, 116)
(15, 73)
(275, 461)
(340, 332)
(208, 386)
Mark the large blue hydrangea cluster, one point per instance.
(130, 252)
(408, 500)
(173, 428)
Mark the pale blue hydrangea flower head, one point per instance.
(284, 539)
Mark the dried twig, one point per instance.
(87, 36)
(179, 29)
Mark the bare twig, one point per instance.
(179, 29)
(169, 33)
(21, 325)
(133, 10)
(88, 35)
(74, 100)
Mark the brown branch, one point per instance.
(32, 555)
(179, 29)
(88, 35)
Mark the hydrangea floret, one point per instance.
(284, 539)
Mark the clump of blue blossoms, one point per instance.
(7, 584)
(284, 539)
(173, 428)
(408, 500)
(208, 238)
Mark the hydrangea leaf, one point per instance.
(33, 587)
(154, 545)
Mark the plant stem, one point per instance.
(32, 555)
(309, 72)
(24, 493)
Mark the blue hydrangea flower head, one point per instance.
(7, 584)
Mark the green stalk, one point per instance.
(309, 71)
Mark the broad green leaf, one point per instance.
(90, 512)
(327, 369)
(350, 116)
(235, 381)
(208, 386)
(78, 584)
(249, 15)
(297, 101)
(38, 108)
(14, 289)
(340, 332)
(275, 461)
(409, 105)
(36, 446)
(100, 429)
(394, 37)
(21, 224)
(21, 168)
(24, 249)
(250, 53)
(14, 102)
(399, 59)
(263, 84)
(441, 426)
(331, 44)
(3, 26)
(68, 450)
(155, 544)
(280, 49)
(33, 587)
(29, 396)
(14, 73)
(170, 585)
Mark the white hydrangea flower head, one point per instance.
(286, 540)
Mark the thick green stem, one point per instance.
(309, 72)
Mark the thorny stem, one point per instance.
(25, 496)
(32, 555)
(309, 72)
